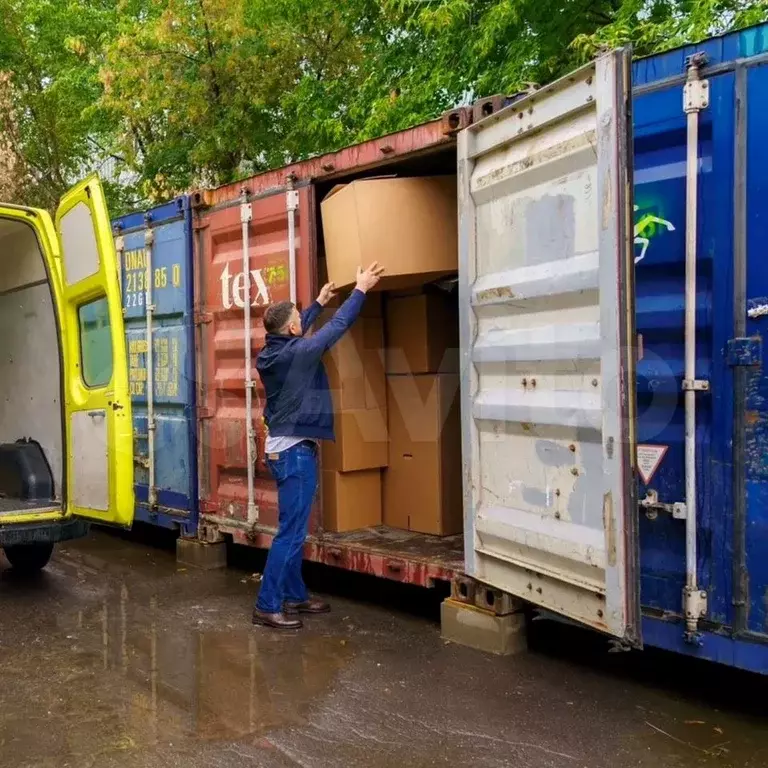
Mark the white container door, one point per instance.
(548, 346)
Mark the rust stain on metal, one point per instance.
(563, 149)
(416, 140)
(496, 294)
(610, 531)
(751, 417)
(607, 202)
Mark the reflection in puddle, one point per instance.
(122, 675)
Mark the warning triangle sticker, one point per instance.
(649, 458)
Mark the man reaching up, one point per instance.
(298, 414)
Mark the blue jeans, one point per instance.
(295, 471)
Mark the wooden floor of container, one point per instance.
(389, 541)
(406, 556)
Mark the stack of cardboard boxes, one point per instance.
(394, 376)
(351, 479)
(422, 483)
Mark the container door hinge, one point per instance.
(203, 318)
(697, 385)
(695, 608)
(204, 413)
(744, 351)
(696, 95)
(292, 200)
(246, 213)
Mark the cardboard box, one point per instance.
(422, 484)
(355, 368)
(351, 500)
(422, 334)
(373, 306)
(408, 225)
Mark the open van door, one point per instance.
(99, 436)
(548, 348)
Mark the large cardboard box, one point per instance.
(408, 225)
(371, 308)
(355, 367)
(422, 484)
(422, 334)
(351, 500)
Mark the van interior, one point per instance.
(31, 426)
(435, 551)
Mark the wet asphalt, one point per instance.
(116, 656)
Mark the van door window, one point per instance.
(79, 247)
(95, 342)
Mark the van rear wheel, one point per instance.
(29, 558)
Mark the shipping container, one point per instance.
(154, 248)
(575, 372)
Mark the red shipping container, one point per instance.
(220, 340)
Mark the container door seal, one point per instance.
(547, 337)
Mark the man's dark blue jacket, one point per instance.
(298, 397)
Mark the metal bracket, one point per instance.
(695, 95)
(697, 385)
(246, 213)
(653, 506)
(120, 244)
(292, 200)
(149, 237)
(694, 603)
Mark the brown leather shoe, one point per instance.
(275, 620)
(313, 605)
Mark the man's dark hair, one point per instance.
(277, 315)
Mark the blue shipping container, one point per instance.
(172, 333)
(732, 283)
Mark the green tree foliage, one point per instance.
(657, 25)
(51, 123)
(184, 93)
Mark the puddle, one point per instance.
(117, 658)
(125, 674)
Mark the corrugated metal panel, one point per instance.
(546, 299)
(660, 183)
(731, 435)
(220, 343)
(755, 402)
(359, 157)
(174, 363)
(732, 440)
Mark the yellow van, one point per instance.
(66, 451)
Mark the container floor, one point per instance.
(444, 551)
(404, 556)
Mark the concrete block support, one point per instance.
(200, 554)
(482, 629)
